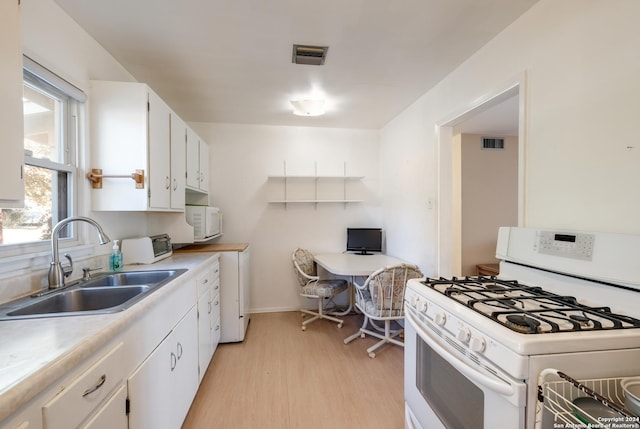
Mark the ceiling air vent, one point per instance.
(311, 55)
(492, 143)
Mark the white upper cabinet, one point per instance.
(178, 161)
(159, 140)
(11, 117)
(197, 163)
(131, 135)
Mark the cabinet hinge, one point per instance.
(149, 193)
(127, 406)
(148, 106)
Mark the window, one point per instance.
(50, 136)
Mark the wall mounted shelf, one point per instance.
(319, 185)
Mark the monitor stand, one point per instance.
(364, 252)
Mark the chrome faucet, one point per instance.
(57, 273)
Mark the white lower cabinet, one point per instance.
(150, 369)
(162, 388)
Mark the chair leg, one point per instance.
(320, 315)
(359, 333)
(389, 337)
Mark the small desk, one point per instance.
(351, 264)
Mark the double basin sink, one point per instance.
(103, 293)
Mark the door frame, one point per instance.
(448, 235)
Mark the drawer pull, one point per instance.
(89, 391)
(173, 361)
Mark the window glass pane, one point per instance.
(42, 124)
(42, 209)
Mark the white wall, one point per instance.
(241, 158)
(581, 62)
(489, 198)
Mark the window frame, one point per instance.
(27, 255)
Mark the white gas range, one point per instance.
(475, 347)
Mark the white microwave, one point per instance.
(206, 221)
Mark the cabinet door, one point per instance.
(162, 388)
(159, 153)
(11, 118)
(178, 161)
(193, 159)
(204, 166)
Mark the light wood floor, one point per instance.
(283, 378)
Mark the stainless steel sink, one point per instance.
(80, 300)
(129, 278)
(105, 293)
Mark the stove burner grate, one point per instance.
(528, 309)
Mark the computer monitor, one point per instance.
(364, 240)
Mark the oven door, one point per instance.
(446, 389)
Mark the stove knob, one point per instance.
(424, 306)
(464, 335)
(414, 301)
(478, 344)
(441, 319)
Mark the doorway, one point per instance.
(469, 214)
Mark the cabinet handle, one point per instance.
(216, 303)
(175, 184)
(179, 348)
(173, 361)
(217, 327)
(168, 183)
(209, 303)
(90, 390)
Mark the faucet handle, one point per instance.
(68, 270)
(86, 272)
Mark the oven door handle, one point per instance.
(467, 370)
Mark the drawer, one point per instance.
(215, 269)
(204, 282)
(75, 402)
(215, 288)
(215, 311)
(113, 414)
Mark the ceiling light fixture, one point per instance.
(308, 107)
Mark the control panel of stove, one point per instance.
(568, 245)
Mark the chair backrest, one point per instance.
(304, 265)
(387, 286)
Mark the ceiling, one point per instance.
(230, 60)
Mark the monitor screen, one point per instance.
(364, 240)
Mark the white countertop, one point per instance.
(35, 352)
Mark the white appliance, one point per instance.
(206, 221)
(476, 346)
(146, 250)
(235, 291)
